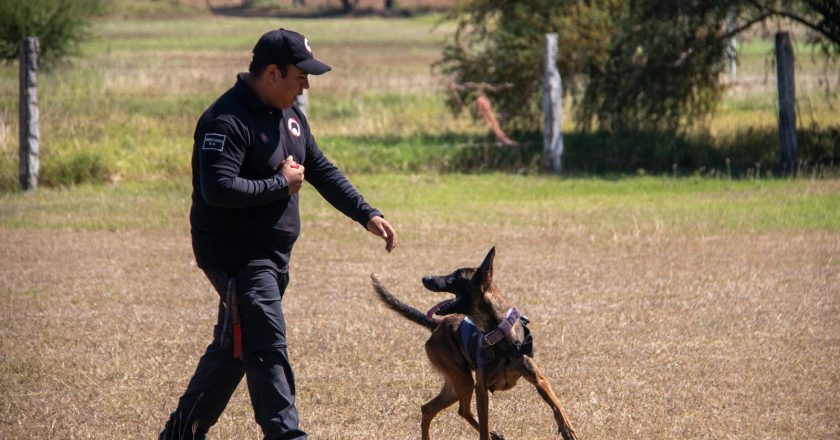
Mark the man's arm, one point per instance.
(340, 193)
(221, 153)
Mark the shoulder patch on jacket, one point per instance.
(213, 141)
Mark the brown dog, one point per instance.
(479, 332)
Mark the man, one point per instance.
(252, 151)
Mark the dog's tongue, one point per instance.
(437, 307)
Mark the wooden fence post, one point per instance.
(787, 102)
(302, 103)
(28, 113)
(552, 108)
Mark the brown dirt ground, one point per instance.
(664, 335)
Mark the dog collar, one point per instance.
(503, 329)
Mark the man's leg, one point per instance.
(212, 384)
(271, 382)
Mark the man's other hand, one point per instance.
(380, 227)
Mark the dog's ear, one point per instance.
(484, 274)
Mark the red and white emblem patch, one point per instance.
(294, 127)
(306, 45)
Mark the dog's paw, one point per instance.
(568, 433)
(496, 436)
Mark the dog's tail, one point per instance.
(400, 307)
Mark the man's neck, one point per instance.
(254, 83)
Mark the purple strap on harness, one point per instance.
(504, 328)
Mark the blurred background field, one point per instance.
(126, 108)
(701, 305)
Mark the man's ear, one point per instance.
(484, 274)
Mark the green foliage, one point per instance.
(59, 25)
(627, 57)
(631, 65)
(500, 42)
(662, 68)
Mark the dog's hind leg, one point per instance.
(445, 398)
(532, 374)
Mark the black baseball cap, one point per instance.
(283, 46)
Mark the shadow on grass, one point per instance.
(745, 153)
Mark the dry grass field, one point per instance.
(650, 322)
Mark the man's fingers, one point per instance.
(390, 236)
(381, 228)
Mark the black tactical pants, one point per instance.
(265, 363)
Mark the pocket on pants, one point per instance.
(259, 297)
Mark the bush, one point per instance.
(59, 25)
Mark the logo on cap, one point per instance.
(294, 127)
(306, 45)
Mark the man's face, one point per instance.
(284, 89)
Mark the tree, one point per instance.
(629, 64)
(59, 25)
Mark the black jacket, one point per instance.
(242, 213)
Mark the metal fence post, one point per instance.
(28, 112)
(552, 108)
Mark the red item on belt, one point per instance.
(237, 341)
(233, 309)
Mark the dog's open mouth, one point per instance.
(439, 306)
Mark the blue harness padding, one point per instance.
(482, 354)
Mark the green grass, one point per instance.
(691, 205)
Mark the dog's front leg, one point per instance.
(532, 374)
(482, 403)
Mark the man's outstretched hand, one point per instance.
(380, 227)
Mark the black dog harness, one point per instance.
(484, 348)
